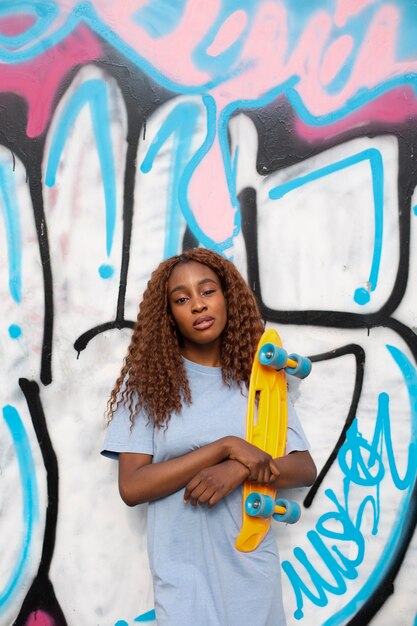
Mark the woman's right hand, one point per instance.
(262, 467)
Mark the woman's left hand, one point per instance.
(211, 484)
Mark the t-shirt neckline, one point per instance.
(202, 369)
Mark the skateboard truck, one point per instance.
(282, 510)
(275, 356)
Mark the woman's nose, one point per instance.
(198, 306)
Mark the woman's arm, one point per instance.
(140, 480)
(212, 484)
(296, 469)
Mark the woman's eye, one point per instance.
(208, 292)
(181, 300)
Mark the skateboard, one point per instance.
(266, 427)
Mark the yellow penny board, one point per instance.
(266, 428)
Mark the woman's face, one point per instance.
(198, 306)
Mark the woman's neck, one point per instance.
(203, 355)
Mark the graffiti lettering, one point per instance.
(362, 464)
(231, 125)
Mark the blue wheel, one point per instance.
(259, 505)
(303, 367)
(292, 513)
(273, 356)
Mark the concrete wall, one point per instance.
(282, 134)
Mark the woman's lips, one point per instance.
(204, 322)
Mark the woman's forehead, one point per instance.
(191, 272)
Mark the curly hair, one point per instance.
(153, 377)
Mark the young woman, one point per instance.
(177, 426)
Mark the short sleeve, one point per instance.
(296, 439)
(121, 436)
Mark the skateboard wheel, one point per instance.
(273, 356)
(292, 513)
(259, 505)
(303, 367)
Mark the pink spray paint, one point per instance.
(38, 80)
(264, 64)
(40, 618)
(14, 25)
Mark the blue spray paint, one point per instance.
(160, 17)
(223, 67)
(357, 28)
(95, 94)
(362, 464)
(106, 271)
(44, 13)
(188, 172)
(12, 224)
(30, 500)
(339, 566)
(183, 119)
(228, 59)
(14, 331)
(84, 12)
(181, 122)
(383, 430)
(296, 25)
(150, 616)
(230, 163)
(374, 157)
(406, 44)
(355, 103)
(17, 48)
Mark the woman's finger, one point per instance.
(206, 495)
(190, 488)
(196, 494)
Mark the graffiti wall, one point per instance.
(281, 134)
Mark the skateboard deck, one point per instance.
(266, 427)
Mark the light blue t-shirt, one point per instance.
(199, 576)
